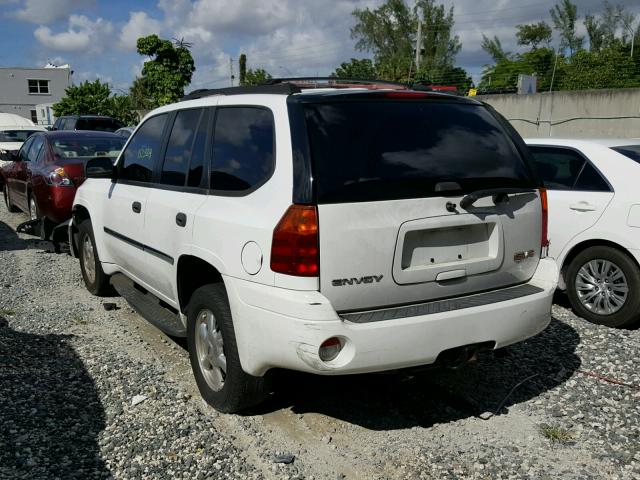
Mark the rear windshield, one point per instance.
(87, 147)
(631, 151)
(15, 135)
(387, 150)
(98, 124)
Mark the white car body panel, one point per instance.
(281, 320)
(608, 220)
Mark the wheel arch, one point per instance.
(581, 246)
(192, 273)
(79, 214)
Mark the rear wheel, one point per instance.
(96, 281)
(601, 285)
(7, 201)
(34, 213)
(214, 354)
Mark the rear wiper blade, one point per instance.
(498, 194)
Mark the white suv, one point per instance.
(327, 230)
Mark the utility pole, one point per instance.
(419, 43)
(231, 70)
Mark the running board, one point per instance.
(149, 307)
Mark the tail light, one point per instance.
(544, 240)
(295, 248)
(58, 178)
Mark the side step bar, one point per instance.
(149, 307)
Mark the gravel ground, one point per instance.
(72, 374)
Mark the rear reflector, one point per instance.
(544, 240)
(295, 249)
(330, 349)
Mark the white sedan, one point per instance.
(593, 189)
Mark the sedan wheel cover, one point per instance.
(88, 259)
(602, 287)
(210, 350)
(33, 209)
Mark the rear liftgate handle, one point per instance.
(181, 219)
(136, 207)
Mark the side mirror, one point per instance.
(100, 167)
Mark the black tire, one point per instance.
(629, 312)
(98, 282)
(7, 201)
(239, 390)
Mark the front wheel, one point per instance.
(96, 281)
(601, 284)
(214, 354)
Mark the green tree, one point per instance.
(242, 68)
(257, 76)
(602, 30)
(362, 69)
(609, 68)
(170, 69)
(446, 75)
(439, 45)
(123, 109)
(493, 47)
(94, 98)
(388, 32)
(534, 34)
(140, 95)
(88, 98)
(564, 18)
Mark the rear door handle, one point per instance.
(181, 219)
(583, 207)
(136, 207)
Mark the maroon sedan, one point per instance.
(42, 180)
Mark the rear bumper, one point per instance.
(57, 204)
(278, 328)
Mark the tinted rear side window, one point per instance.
(243, 148)
(387, 150)
(180, 147)
(143, 150)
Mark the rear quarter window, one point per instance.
(243, 149)
(387, 150)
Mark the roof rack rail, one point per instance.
(281, 89)
(288, 86)
(334, 80)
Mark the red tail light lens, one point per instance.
(295, 248)
(544, 241)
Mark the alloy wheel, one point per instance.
(210, 350)
(601, 286)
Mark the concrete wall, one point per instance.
(584, 113)
(14, 88)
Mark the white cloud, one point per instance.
(242, 16)
(47, 11)
(139, 25)
(83, 35)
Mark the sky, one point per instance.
(285, 37)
